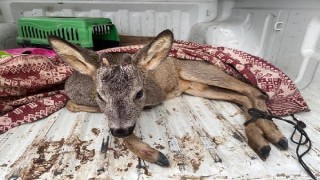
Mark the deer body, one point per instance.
(120, 85)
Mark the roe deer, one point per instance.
(122, 84)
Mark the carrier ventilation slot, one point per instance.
(69, 34)
(101, 29)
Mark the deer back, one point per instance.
(162, 81)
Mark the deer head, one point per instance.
(120, 79)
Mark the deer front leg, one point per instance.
(144, 151)
(73, 107)
(132, 142)
(257, 133)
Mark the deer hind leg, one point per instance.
(254, 134)
(269, 128)
(73, 107)
(204, 72)
(218, 85)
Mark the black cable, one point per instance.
(298, 127)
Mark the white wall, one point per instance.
(272, 29)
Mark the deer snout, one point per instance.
(122, 132)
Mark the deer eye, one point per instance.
(99, 96)
(139, 94)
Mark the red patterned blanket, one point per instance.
(31, 86)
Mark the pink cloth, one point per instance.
(37, 51)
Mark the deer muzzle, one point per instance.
(122, 132)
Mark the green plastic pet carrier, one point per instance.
(93, 33)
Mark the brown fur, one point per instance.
(124, 84)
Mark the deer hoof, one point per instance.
(162, 160)
(264, 152)
(282, 144)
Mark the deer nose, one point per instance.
(122, 132)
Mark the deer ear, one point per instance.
(80, 59)
(152, 54)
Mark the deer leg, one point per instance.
(132, 142)
(269, 128)
(144, 151)
(257, 133)
(204, 72)
(73, 107)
